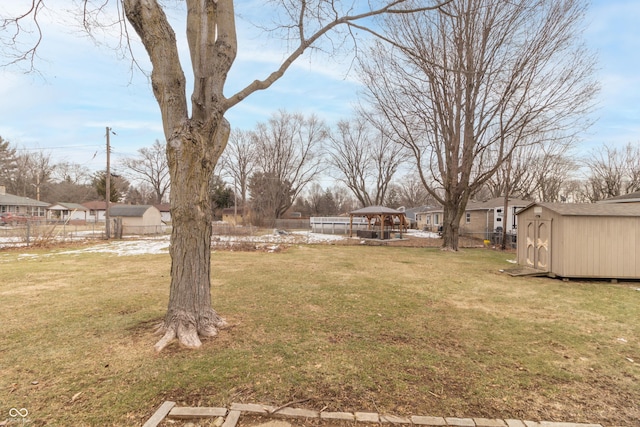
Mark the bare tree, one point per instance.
(321, 202)
(411, 192)
(196, 136)
(365, 158)
(141, 194)
(269, 194)
(73, 173)
(288, 150)
(71, 182)
(344, 200)
(238, 161)
(151, 167)
(483, 74)
(612, 171)
(314, 199)
(534, 172)
(33, 175)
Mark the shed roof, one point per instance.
(590, 209)
(129, 210)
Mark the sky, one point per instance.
(80, 89)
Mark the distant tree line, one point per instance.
(281, 165)
(34, 174)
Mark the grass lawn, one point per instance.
(349, 328)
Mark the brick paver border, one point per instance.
(231, 416)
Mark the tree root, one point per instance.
(183, 327)
(165, 340)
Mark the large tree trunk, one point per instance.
(192, 156)
(194, 146)
(451, 226)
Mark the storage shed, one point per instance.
(581, 240)
(137, 219)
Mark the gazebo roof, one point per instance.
(380, 215)
(375, 210)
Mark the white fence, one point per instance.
(336, 224)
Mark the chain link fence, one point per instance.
(32, 233)
(39, 233)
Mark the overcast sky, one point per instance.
(82, 89)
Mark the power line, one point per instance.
(57, 148)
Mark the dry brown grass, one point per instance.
(347, 328)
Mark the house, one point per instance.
(165, 212)
(430, 219)
(412, 215)
(21, 205)
(72, 213)
(585, 240)
(96, 210)
(482, 218)
(625, 198)
(479, 219)
(136, 219)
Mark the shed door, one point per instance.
(538, 243)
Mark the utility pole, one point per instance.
(37, 185)
(107, 188)
(235, 203)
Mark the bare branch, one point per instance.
(15, 27)
(307, 41)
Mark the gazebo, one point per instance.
(378, 217)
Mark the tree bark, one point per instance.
(190, 314)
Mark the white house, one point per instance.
(96, 210)
(67, 212)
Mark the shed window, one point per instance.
(468, 217)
